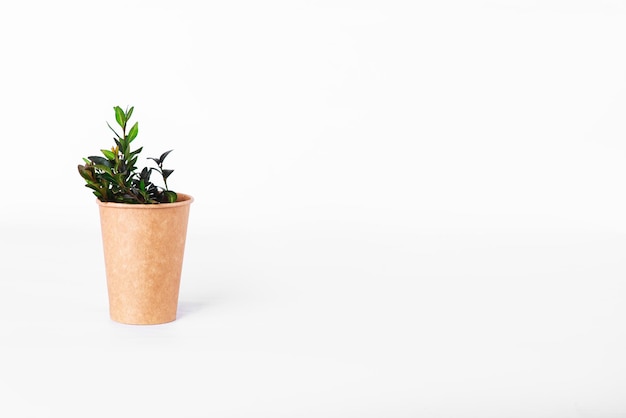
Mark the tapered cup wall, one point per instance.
(144, 247)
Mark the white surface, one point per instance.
(403, 208)
(332, 322)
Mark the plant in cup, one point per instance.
(114, 177)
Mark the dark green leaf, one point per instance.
(116, 134)
(166, 173)
(109, 178)
(100, 160)
(162, 157)
(145, 174)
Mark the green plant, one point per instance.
(115, 178)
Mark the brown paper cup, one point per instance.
(143, 254)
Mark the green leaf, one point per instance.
(133, 132)
(129, 113)
(146, 196)
(119, 178)
(142, 185)
(137, 151)
(109, 154)
(171, 196)
(120, 117)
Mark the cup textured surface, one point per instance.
(144, 247)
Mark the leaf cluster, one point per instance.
(114, 177)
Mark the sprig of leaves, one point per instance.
(114, 177)
(165, 173)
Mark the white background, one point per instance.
(403, 209)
